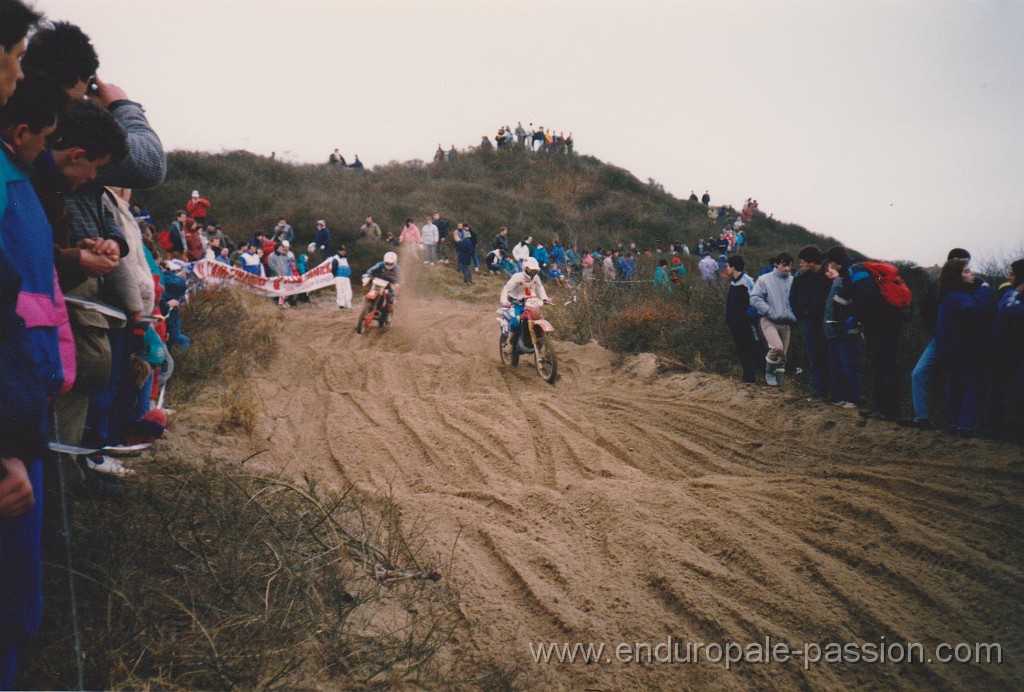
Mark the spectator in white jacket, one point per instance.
(521, 251)
(770, 299)
(428, 236)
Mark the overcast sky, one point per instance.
(896, 126)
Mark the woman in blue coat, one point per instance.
(961, 336)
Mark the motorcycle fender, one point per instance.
(544, 325)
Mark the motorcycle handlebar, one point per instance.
(520, 301)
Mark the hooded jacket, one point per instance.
(770, 296)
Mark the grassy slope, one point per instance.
(577, 198)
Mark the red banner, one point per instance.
(214, 273)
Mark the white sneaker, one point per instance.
(476, 269)
(109, 465)
(849, 404)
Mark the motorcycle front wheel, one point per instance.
(506, 351)
(384, 316)
(361, 324)
(546, 360)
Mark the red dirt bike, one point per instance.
(375, 307)
(535, 335)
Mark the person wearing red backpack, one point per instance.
(880, 304)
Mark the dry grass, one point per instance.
(217, 578)
(232, 332)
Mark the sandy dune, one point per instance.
(625, 506)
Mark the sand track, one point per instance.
(618, 506)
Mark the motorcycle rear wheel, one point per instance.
(545, 359)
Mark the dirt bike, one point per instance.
(535, 335)
(375, 307)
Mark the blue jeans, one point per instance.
(174, 335)
(844, 369)
(919, 379)
(817, 356)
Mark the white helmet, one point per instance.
(530, 266)
(390, 258)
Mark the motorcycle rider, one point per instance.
(522, 285)
(390, 272)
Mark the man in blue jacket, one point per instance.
(322, 240)
(745, 337)
(22, 402)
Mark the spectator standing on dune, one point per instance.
(342, 273)
(322, 239)
(466, 250)
(807, 298)
(962, 342)
(770, 299)
(283, 231)
(370, 230)
(410, 238)
(442, 237)
(428, 236)
(843, 337)
(883, 323)
(198, 207)
(742, 326)
(708, 268)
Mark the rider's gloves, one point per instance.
(366, 280)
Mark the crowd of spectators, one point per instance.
(843, 306)
(531, 138)
(337, 160)
(89, 304)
